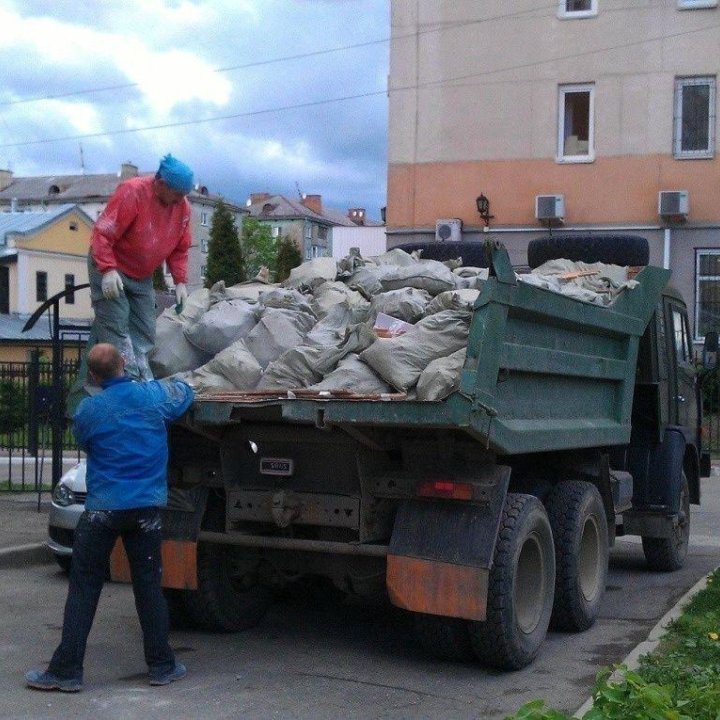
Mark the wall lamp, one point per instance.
(483, 208)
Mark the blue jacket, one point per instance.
(123, 431)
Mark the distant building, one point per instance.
(306, 221)
(42, 253)
(91, 193)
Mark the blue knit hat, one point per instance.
(176, 174)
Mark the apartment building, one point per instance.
(92, 191)
(306, 221)
(520, 118)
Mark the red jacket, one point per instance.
(136, 232)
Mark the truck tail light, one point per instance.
(446, 489)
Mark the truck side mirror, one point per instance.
(710, 350)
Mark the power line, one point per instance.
(272, 61)
(345, 98)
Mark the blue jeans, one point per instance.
(95, 536)
(127, 322)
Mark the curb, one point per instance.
(24, 555)
(632, 661)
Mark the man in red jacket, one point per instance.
(146, 222)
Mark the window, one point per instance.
(692, 4)
(308, 231)
(69, 282)
(577, 8)
(203, 270)
(276, 231)
(694, 118)
(41, 286)
(680, 338)
(575, 123)
(707, 292)
(203, 245)
(203, 219)
(322, 233)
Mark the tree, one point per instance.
(12, 406)
(259, 246)
(288, 257)
(225, 259)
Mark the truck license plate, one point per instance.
(276, 466)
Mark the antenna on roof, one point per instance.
(299, 191)
(82, 160)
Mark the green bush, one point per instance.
(12, 406)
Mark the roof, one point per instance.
(82, 188)
(11, 329)
(32, 221)
(278, 207)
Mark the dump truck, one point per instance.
(488, 515)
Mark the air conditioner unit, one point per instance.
(550, 207)
(448, 230)
(673, 203)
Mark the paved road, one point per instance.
(314, 658)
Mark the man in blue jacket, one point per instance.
(124, 435)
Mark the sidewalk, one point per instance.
(23, 529)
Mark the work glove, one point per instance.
(180, 297)
(112, 285)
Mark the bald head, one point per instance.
(105, 362)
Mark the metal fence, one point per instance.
(25, 423)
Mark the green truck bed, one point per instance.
(543, 372)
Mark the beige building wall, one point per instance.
(474, 108)
(56, 266)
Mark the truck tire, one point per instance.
(228, 598)
(521, 587)
(177, 611)
(444, 637)
(610, 249)
(580, 531)
(668, 554)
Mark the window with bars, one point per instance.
(41, 289)
(707, 292)
(69, 283)
(694, 117)
(577, 8)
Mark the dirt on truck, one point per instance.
(489, 513)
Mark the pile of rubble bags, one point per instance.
(390, 324)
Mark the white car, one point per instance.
(68, 503)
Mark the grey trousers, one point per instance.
(127, 322)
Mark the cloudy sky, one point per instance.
(273, 96)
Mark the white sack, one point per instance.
(223, 324)
(312, 273)
(277, 331)
(406, 304)
(441, 377)
(172, 352)
(354, 375)
(429, 275)
(452, 300)
(237, 365)
(400, 360)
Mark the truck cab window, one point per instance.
(680, 337)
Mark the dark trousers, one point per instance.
(95, 536)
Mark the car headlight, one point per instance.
(63, 495)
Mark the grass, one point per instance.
(680, 680)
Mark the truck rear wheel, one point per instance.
(668, 554)
(228, 598)
(444, 637)
(580, 532)
(521, 587)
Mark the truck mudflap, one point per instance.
(181, 525)
(440, 555)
